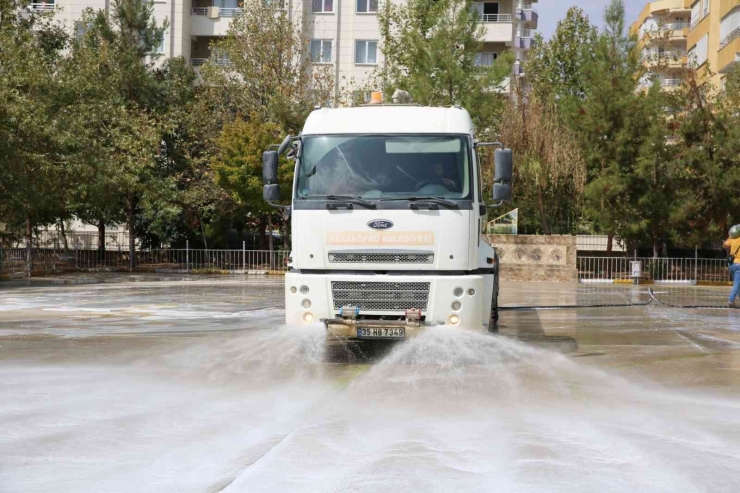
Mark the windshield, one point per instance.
(391, 166)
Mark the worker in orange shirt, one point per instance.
(733, 247)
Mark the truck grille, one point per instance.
(380, 296)
(381, 257)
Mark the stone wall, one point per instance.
(536, 258)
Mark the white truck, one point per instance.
(387, 221)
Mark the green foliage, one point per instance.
(555, 67)
(238, 166)
(550, 172)
(262, 67)
(430, 48)
(34, 174)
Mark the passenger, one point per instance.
(733, 246)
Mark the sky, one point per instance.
(551, 11)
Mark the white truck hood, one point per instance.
(412, 239)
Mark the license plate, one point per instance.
(382, 333)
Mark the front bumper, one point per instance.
(309, 300)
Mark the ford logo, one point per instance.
(380, 224)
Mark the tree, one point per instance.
(654, 182)
(430, 49)
(34, 174)
(238, 166)
(110, 76)
(707, 156)
(555, 68)
(609, 120)
(263, 67)
(550, 172)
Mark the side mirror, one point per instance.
(504, 164)
(503, 174)
(271, 193)
(269, 167)
(501, 192)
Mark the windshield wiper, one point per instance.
(434, 200)
(347, 199)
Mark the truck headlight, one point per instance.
(471, 292)
(293, 289)
(304, 289)
(458, 291)
(306, 303)
(308, 317)
(456, 305)
(454, 320)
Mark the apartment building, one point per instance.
(662, 29)
(343, 33)
(714, 37)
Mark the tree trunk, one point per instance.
(29, 244)
(655, 248)
(609, 247)
(262, 236)
(101, 240)
(64, 238)
(131, 237)
(269, 227)
(541, 207)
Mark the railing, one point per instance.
(729, 38)
(229, 12)
(45, 260)
(664, 56)
(42, 7)
(661, 270)
(525, 33)
(671, 82)
(694, 21)
(676, 26)
(221, 62)
(496, 17)
(199, 11)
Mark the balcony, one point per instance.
(729, 52)
(672, 59)
(498, 27)
(670, 83)
(42, 7)
(524, 39)
(529, 14)
(211, 21)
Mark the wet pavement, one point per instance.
(147, 383)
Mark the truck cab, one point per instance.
(387, 222)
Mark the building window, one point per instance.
(159, 47)
(487, 11)
(82, 28)
(485, 59)
(705, 12)
(322, 6)
(695, 13)
(321, 50)
(366, 52)
(367, 6)
(698, 54)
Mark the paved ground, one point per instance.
(144, 383)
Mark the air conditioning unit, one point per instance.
(212, 13)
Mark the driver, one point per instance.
(439, 178)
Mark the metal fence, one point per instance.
(14, 261)
(662, 270)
